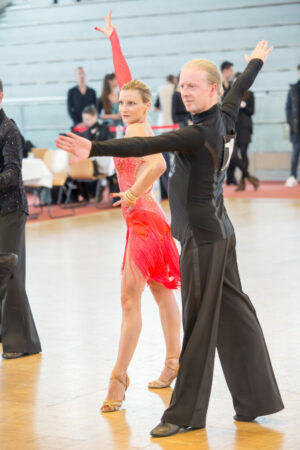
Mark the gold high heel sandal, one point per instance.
(160, 384)
(115, 405)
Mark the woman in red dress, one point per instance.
(151, 256)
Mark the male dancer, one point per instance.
(216, 312)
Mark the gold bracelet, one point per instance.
(130, 196)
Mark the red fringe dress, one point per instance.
(149, 242)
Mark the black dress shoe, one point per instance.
(13, 355)
(165, 429)
(239, 418)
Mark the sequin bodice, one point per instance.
(127, 171)
(12, 192)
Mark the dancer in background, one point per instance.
(18, 331)
(151, 255)
(216, 313)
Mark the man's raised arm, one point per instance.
(232, 101)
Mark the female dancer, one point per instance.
(151, 255)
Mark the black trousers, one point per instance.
(18, 329)
(235, 161)
(164, 178)
(218, 314)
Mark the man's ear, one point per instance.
(1, 97)
(213, 89)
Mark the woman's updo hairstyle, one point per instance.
(143, 89)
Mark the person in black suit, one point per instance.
(79, 97)
(216, 313)
(18, 331)
(244, 130)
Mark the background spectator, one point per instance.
(227, 72)
(293, 119)
(164, 106)
(179, 113)
(80, 96)
(164, 101)
(244, 131)
(99, 132)
(109, 101)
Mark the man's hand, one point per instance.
(261, 51)
(77, 145)
(109, 27)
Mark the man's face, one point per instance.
(228, 73)
(196, 93)
(80, 76)
(89, 120)
(1, 98)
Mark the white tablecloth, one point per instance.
(36, 173)
(105, 163)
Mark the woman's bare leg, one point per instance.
(132, 287)
(171, 322)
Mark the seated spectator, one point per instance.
(98, 132)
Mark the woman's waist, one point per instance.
(146, 203)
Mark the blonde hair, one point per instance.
(212, 72)
(143, 89)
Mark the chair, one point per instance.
(57, 163)
(83, 171)
(39, 153)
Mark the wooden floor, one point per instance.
(51, 401)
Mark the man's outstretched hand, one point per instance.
(261, 51)
(77, 145)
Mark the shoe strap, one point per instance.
(119, 379)
(172, 368)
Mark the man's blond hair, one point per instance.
(212, 72)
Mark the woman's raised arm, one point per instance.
(121, 67)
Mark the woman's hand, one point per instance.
(77, 145)
(109, 27)
(261, 51)
(123, 199)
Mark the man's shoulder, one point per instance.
(73, 89)
(9, 126)
(294, 86)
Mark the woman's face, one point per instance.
(132, 108)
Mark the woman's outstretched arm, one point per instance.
(121, 67)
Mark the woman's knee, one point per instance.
(130, 299)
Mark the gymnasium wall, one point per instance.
(41, 45)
